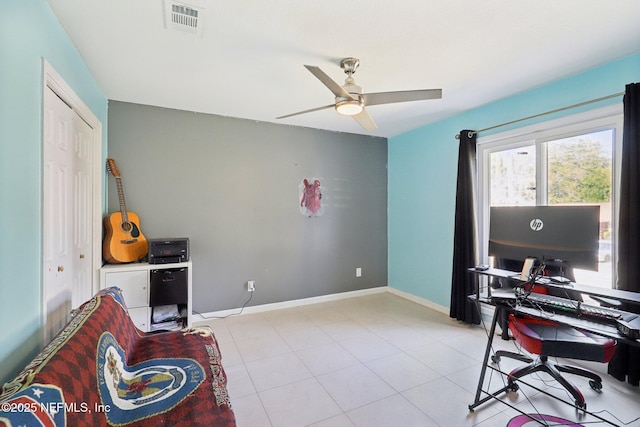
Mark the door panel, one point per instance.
(57, 199)
(67, 206)
(82, 205)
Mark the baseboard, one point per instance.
(319, 299)
(289, 304)
(419, 300)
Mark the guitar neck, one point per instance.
(123, 205)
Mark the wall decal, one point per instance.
(311, 198)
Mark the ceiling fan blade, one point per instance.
(365, 120)
(328, 82)
(307, 111)
(401, 96)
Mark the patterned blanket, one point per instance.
(100, 370)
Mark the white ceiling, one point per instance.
(248, 63)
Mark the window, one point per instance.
(569, 161)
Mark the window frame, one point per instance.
(610, 117)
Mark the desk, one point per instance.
(623, 296)
(598, 328)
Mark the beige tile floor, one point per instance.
(382, 361)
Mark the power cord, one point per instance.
(527, 287)
(604, 411)
(228, 315)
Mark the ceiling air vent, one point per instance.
(183, 17)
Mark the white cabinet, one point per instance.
(140, 316)
(136, 284)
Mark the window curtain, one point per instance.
(465, 253)
(625, 363)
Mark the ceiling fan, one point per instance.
(350, 101)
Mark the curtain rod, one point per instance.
(471, 133)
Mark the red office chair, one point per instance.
(549, 339)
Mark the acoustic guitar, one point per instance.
(123, 241)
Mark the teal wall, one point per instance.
(423, 167)
(29, 31)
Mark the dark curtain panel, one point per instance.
(626, 362)
(465, 245)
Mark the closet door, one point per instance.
(82, 204)
(67, 202)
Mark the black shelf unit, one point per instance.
(168, 287)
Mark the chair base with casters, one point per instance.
(550, 339)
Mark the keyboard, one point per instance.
(627, 324)
(572, 307)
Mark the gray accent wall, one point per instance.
(233, 186)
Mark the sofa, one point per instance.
(100, 370)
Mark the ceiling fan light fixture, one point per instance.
(350, 99)
(350, 107)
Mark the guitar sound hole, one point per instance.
(131, 228)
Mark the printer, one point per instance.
(169, 250)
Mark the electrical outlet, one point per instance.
(251, 285)
(358, 271)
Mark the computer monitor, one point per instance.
(552, 234)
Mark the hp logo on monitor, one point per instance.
(536, 224)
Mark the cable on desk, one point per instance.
(527, 287)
